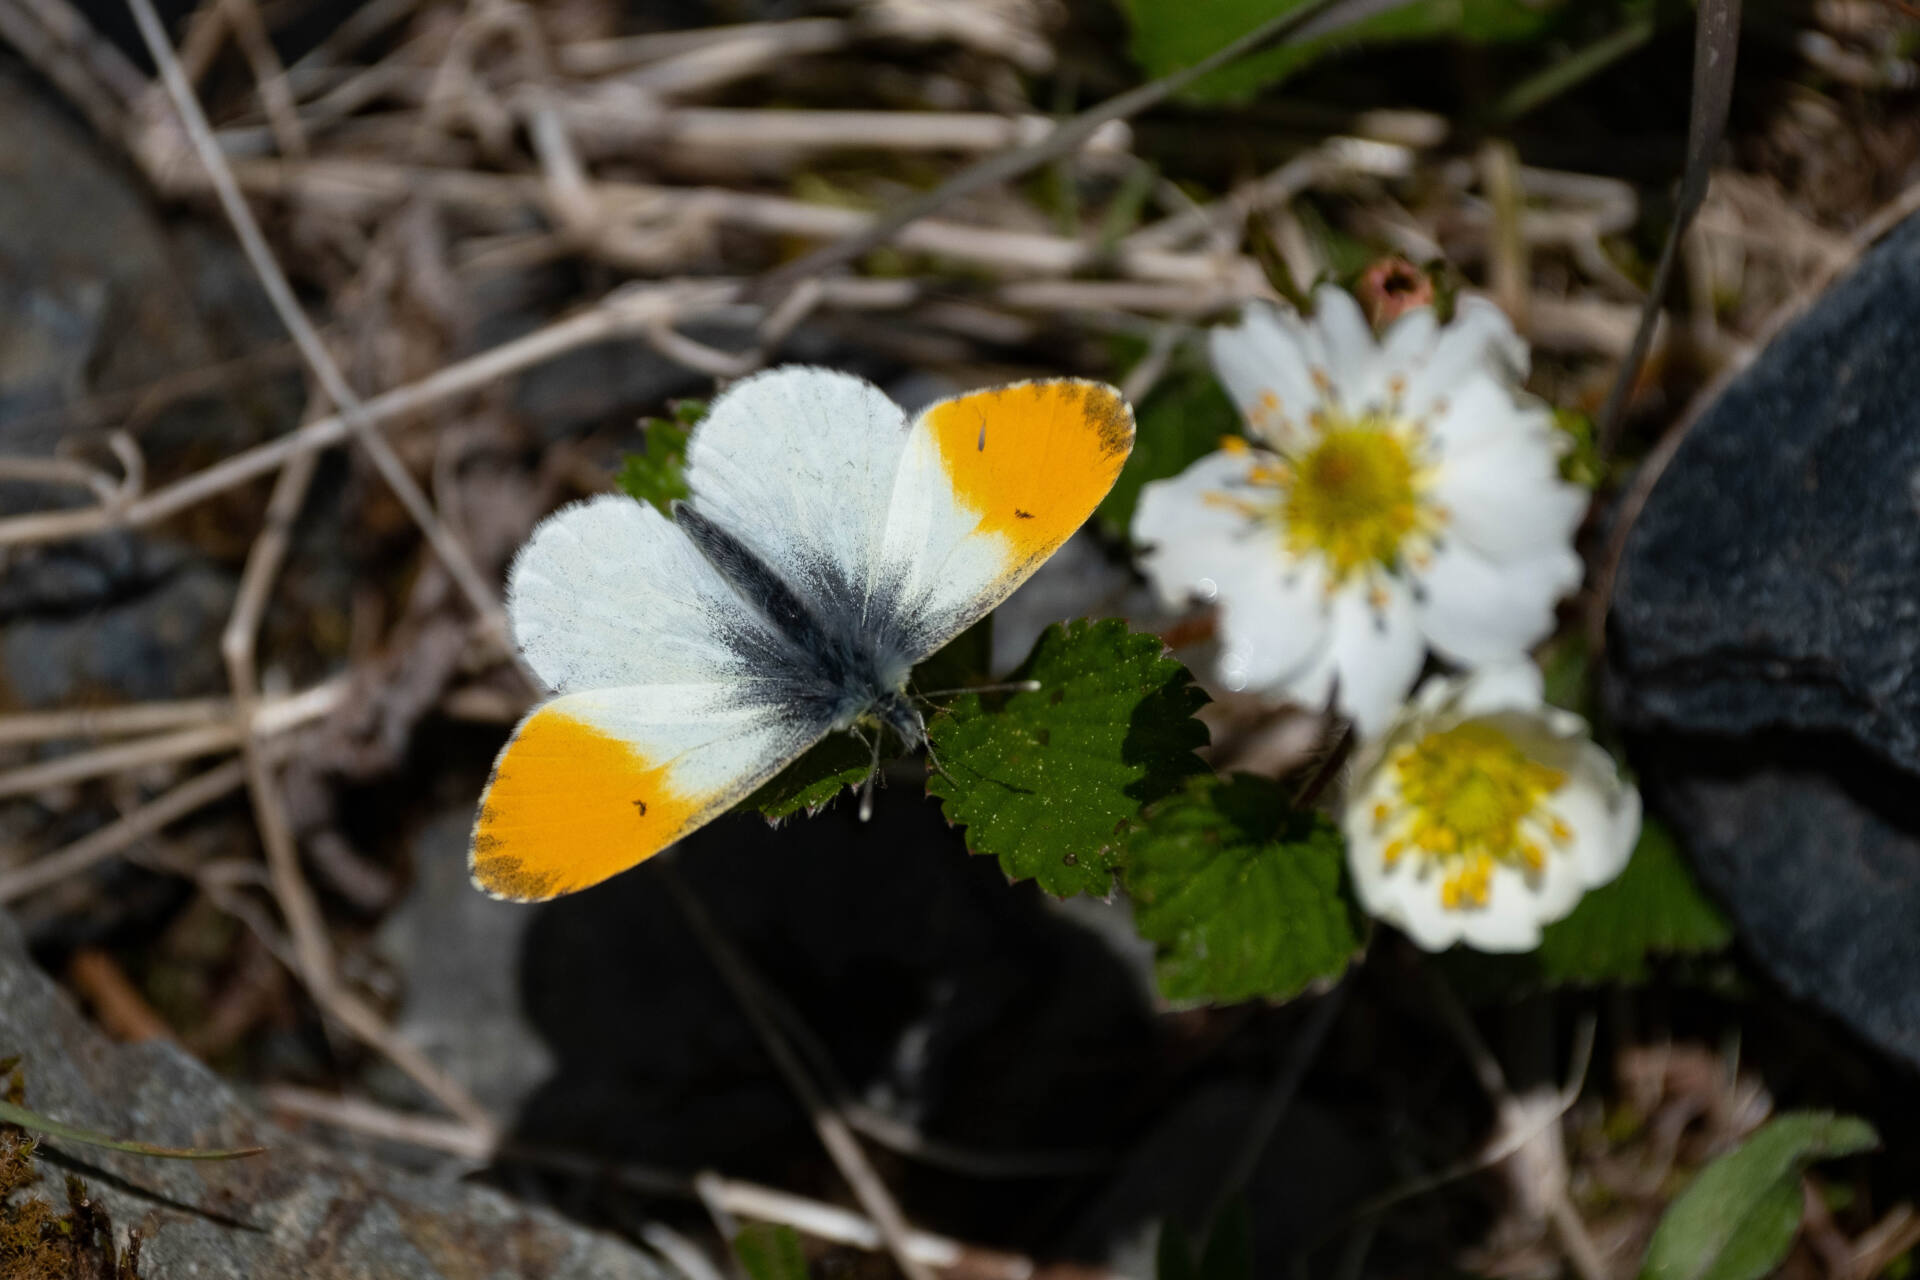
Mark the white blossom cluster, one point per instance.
(1397, 498)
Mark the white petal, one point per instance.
(1517, 906)
(1273, 612)
(1404, 347)
(1479, 340)
(1509, 502)
(1184, 529)
(1352, 357)
(1312, 685)
(1476, 612)
(1604, 813)
(1483, 411)
(1506, 686)
(1376, 653)
(1406, 895)
(1267, 353)
(1273, 617)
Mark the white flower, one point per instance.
(1484, 814)
(1403, 495)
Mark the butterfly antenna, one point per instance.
(1010, 686)
(866, 788)
(938, 767)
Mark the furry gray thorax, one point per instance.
(828, 661)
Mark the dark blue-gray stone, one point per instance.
(1765, 649)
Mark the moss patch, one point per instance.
(36, 1243)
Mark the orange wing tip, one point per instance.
(504, 878)
(1033, 459)
(569, 806)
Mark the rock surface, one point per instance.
(296, 1211)
(1766, 645)
(460, 954)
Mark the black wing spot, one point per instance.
(640, 808)
(1018, 514)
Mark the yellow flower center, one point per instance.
(1471, 800)
(1353, 497)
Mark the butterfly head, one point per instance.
(894, 712)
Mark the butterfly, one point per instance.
(828, 545)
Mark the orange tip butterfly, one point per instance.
(828, 546)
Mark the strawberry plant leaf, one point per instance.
(1052, 782)
(1243, 896)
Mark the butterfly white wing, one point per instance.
(660, 725)
(990, 485)
(799, 463)
(917, 528)
(677, 696)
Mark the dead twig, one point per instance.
(459, 564)
(622, 313)
(269, 77)
(1317, 17)
(117, 1004)
(170, 806)
(822, 1221)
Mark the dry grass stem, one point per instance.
(459, 564)
(190, 796)
(184, 744)
(109, 722)
(624, 313)
(748, 1200)
(91, 72)
(269, 76)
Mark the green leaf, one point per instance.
(1654, 907)
(1566, 671)
(1171, 34)
(34, 1122)
(770, 1252)
(1243, 896)
(657, 474)
(831, 765)
(1180, 423)
(1052, 782)
(1739, 1217)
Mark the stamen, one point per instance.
(1466, 793)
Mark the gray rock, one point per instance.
(113, 621)
(460, 954)
(1766, 648)
(101, 295)
(1774, 577)
(295, 1211)
(1816, 851)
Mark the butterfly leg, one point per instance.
(873, 774)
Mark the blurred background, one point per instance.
(253, 679)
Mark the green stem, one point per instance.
(1585, 62)
(34, 1122)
